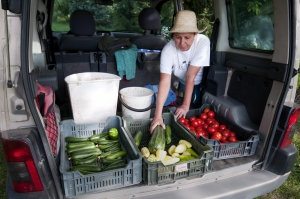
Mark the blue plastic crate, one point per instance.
(74, 183)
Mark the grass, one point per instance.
(290, 188)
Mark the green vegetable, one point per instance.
(138, 138)
(184, 158)
(87, 160)
(106, 146)
(86, 153)
(72, 150)
(80, 145)
(157, 140)
(111, 148)
(90, 168)
(109, 161)
(113, 133)
(103, 142)
(71, 139)
(104, 155)
(117, 161)
(168, 132)
(117, 166)
(117, 154)
(192, 152)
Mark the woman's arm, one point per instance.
(189, 86)
(163, 90)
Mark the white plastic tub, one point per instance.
(93, 95)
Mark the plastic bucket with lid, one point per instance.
(93, 95)
(136, 101)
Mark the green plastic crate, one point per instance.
(74, 183)
(155, 172)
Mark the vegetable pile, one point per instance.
(156, 148)
(86, 153)
(207, 126)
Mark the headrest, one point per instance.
(82, 23)
(149, 19)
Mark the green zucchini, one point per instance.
(157, 140)
(109, 161)
(79, 144)
(102, 142)
(85, 153)
(115, 150)
(72, 150)
(71, 139)
(90, 168)
(117, 161)
(116, 145)
(106, 146)
(88, 160)
(117, 154)
(104, 155)
(138, 138)
(168, 133)
(117, 166)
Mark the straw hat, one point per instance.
(185, 21)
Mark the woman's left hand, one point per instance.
(181, 111)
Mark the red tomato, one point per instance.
(192, 118)
(223, 139)
(232, 139)
(203, 116)
(182, 120)
(214, 137)
(200, 133)
(211, 130)
(198, 128)
(194, 123)
(210, 114)
(215, 124)
(205, 126)
(218, 135)
(225, 134)
(232, 134)
(193, 129)
(222, 127)
(209, 121)
(206, 110)
(200, 121)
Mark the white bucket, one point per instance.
(93, 95)
(137, 98)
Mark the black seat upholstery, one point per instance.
(149, 20)
(82, 34)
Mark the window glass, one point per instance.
(251, 24)
(121, 16)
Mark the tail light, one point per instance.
(290, 128)
(21, 166)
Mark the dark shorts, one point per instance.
(195, 95)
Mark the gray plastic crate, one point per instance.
(75, 183)
(156, 172)
(246, 147)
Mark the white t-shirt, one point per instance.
(177, 61)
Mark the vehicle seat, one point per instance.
(149, 20)
(82, 35)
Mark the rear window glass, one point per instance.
(251, 24)
(121, 16)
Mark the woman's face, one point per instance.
(183, 41)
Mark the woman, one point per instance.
(184, 55)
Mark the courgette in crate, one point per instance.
(138, 138)
(80, 145)
(88, 160)
(111, 148)
(103, 142)
(157, 140)
(168, 132)
(116, 166)
(105, 146)
(71, 139)
(109, 161)
(117, 161)
(90, 168)
(192, 152)
(104, 155)
(117, 154)
(85, 153)
(72, 150)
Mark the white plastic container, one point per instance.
(137, 98)
(93, 95)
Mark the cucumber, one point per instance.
(85, 153)
(90, 168)
(106, 146)
(117, 161)
(115, 150)
(104, 155)
(157, 140)
(72, 150)
(71, 139)
(103, 142)
(88, 160)
(117, 154)
(79, 144)
(168, 132)
(117, 166)
(138, 138)
(109, 161)
(111, 148)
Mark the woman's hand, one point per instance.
(181, 111)
(155, 122)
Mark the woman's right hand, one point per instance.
(155, 122)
